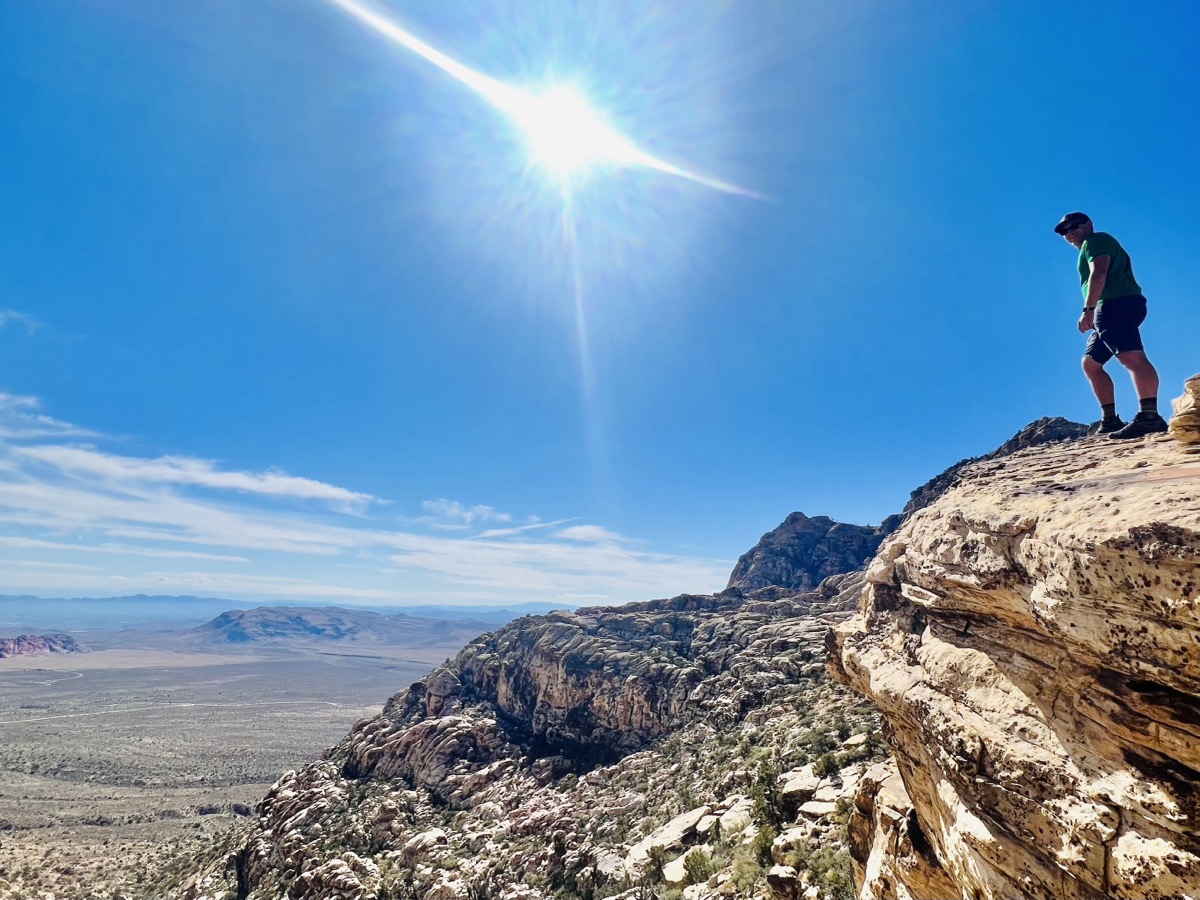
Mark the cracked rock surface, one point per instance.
(1032, 639)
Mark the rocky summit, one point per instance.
(1028, 639)
(1033, 640)
(802, 552)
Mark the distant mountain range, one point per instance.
(28, 614)
(320, 628)
(294, 626)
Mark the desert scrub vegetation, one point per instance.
(699, 866)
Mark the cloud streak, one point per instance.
(75, 516)
(19, 420)
(124, 472)
(452, 515)
(8, 316)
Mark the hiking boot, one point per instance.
(1109, 425)
(1143, 423)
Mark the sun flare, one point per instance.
(566, 134)
(563, 130)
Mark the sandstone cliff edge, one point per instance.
(1032, 639)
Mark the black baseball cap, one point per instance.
(1070, 219)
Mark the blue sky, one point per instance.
(289, 313)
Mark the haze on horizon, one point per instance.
(289, 314)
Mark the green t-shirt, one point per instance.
(1120, 281)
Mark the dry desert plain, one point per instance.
(119, 764)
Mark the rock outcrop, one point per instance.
(894, 857)
(31, 644)
(802, 552)
(1033, 640)
(1185, 423)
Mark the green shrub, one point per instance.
(698, 865)
(760, 847)
(656, 858)
(842, 810)
(768, 801)
(747, 869)
(832, 872)
(828, 765)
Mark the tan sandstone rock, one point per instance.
(799, 785)
(1033, 639)
(891, 856)
(1185, 423)
(674, 834)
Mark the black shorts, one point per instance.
(1117, 322)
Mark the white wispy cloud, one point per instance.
(521, 529)
(75, 516)
(450, 514)
(12, 316)
(20, 420)
(589, 534)
(23, 543)
(126, 472)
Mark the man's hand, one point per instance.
(1087, 321)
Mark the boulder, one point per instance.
(784, 883)
(671, 835)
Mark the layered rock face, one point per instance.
(593, 685)
(1033, 640)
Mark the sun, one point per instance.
(566, 134)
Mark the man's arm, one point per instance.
(1097, 277)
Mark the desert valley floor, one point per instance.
(139, 755)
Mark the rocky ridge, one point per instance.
(576, 754)
(1042, 431)
(31, 644)
(692, 744)
(802, 551)
(1032, 640)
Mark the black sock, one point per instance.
(1109, 410)
(1150, 405)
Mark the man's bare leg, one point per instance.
(1141, 370)
(1102, 384)
(1145, 382)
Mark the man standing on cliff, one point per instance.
(1113, 308)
